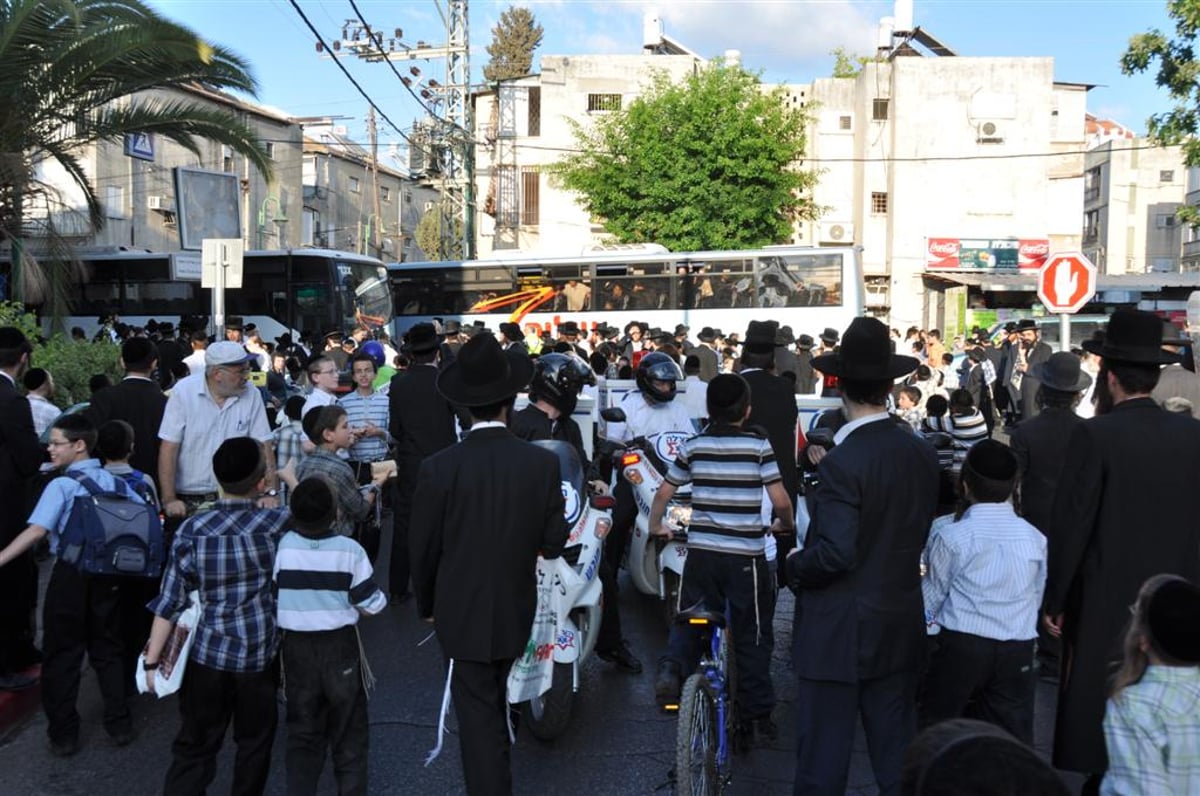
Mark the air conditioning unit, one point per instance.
(836, 232)
(160, 204)
(989, 133)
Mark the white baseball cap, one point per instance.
(226, 353)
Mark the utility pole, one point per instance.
(452, 134)
(375, 183)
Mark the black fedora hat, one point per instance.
(568, 327)
(1132, 336)
(1026, 325)
(233, 322)
(707, 335)
(422, 338)
(786, 336)
(512, 332)
(483, 374)
(762, 335)
(829, 336)
(1061, 372)
(865, 354)
(451, 327)
(805, 342)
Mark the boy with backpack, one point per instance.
(114, 446)
(325, 581)
(80, 612)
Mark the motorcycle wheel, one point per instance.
(549, 714)
(671, 582)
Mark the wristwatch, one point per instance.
(272, 493)
(149, 667)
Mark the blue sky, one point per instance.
(788, 40)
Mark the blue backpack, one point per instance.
(108, 532)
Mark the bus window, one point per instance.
(312, 308)
(149, 289)
(101, 293)
(263, 278)
(365, 294)
(418, 292)
(634, 286)
(572, 286)
(806, 280)
(725, 283)
(482, 283)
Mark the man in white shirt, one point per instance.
(40, 386)
(202, 412)
(195, 360)
(695, 396)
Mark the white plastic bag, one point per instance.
(174, 657)
(532, 674)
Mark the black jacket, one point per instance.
(140, 403)
(487, 506)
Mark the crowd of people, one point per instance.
(936, 568)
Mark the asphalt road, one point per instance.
(617, 742)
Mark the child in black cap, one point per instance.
(325, 581)
(1152, 723)
(983, 588)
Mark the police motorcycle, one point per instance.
(655, 564)
(588, 517)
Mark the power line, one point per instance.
(388, 61)
(346, 72)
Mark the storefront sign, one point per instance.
(983, 254)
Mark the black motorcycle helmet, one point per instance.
(557, 380)
(657, 366)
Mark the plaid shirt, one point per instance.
(228, 554)
(1152, 730)
(352, 504)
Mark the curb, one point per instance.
(16, 707)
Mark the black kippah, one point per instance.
(1173, 617)
(725, 390)
(312, 504)
(993, 460)
(236, 460)
(136, 350)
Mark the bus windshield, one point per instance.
(366, 295)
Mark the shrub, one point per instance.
(71, 364)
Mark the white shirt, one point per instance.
(195, 362)
(193, 419)
(44, 412)
(643, 418)
(317, 398)
(850, 427)
(696, 397)
(986, 573)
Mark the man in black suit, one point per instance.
(1125, 509)
(859, 628)
(785, 358)
(1029, 352)
(137, 400)
(773, 409)
(20, 456)
(422, 423)
(489, 505)
(806, 377)
(706, 352)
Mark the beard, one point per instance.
(1102, 397)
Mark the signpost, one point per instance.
(221, 268)
(1065, 284)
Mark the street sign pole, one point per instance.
(1064, 331)
(221, 267)
(1065, 284)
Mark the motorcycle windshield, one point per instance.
(570, 470)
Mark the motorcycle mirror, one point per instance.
(613, 414)
(821, 436)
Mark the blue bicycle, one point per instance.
(704, 739)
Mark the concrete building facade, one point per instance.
(1132, 193)
(525, 124)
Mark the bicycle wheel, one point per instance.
(728, 663)
(696, 740)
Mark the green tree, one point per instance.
(514, 38)
(77, 72)
(847, 65)
(435, 240)
(707, 163)
(1179, 74)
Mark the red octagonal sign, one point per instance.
(1066, 282)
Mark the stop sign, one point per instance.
(1066, 282)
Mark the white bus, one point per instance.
(292, 290)
(807, 288)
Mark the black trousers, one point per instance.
(135, 619)
(998, 679)
(81, 615)
(478, 691)
(399, 566)
(18, 601)
(748, 586)
(208, 699)
(827, 714)
(367, 531)
(624, 516)
(326, 710)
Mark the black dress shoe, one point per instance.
(17, 681)
(64, 748)
(623, 657)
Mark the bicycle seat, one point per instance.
(699, 615)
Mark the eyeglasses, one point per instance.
(242, 370)
(327, 373)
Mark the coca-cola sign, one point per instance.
(986, 254)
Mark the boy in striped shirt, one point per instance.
(325, 581)
(728, 468)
